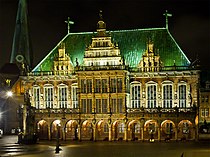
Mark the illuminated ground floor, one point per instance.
(116, 127)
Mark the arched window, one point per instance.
(62, 95)
(167, 94)
(48, 95)
(36, 96)
(182, 95)
(151, 95)
(135, 95)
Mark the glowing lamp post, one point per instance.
(9, 94)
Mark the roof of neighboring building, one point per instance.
(132, 45)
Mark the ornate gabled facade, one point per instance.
(120, 87)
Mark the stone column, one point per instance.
(142, 133)
(49, 132)
(94, 133)
(126, 133)
(79, 132)
(110, 133)
(159, 134)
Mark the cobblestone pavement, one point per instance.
(9, 147)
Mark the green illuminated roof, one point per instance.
(132, 45)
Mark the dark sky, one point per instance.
(189, 25)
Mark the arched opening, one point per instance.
(56, 130)
(134, 130)
(118, 130)
(168, 130)
(86, 131)
(102, 129)
(71, 130)
(150, 130)
(185, 130)
(42, 130)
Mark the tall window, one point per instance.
(182, 96)
(167, 96)
(83, 86)
(119, 85)
(86, 105)
(36, 94)
(101, 105)
(117, 105)
(89, 86)
(48, 96)
(74, 96)
(136, 127)
(116, 85)
(104, 85)
(151, 96)
(98, 86)
(113, 86)
(135, 95)
(86, 86)
(106, 128)
(121, 127)
(62, 96)
(205, 112)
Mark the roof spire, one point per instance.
(69, 23)
(166, 14)
(21, 46)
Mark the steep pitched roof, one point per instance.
(132, 45)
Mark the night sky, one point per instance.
(189, 25)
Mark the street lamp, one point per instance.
(9, 93)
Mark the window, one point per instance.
(113, 86)
(48, 96)
(74, 96)
(151, 128)
(104, 85)
(113, 104)
(98, 106)
(167, 96)
(104, 106)
(62, 96)
(89, 86)
(119, 85)
(151, 96)
(205, 112)
(106, 128)
(83, 86)
(182, 96)
(121, 127)
(98, 86)
(117, 105)
(136, 128)
(86, 86)
(135, 96)
(86, 105)
(36, 94)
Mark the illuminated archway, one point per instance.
(71, 130)
(86, 131)
(56, 129)
(102, 130)
(42, 130)
(134, 130)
